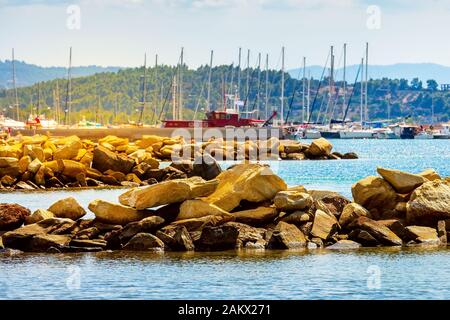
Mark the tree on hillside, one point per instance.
(416, 84)
(432, 85)
(403, 84)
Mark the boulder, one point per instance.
(251, 182)
(287, 236)
(349, 156)
(396, 226)
(73, 169)
(296, 217)
(144, 242)
(116, 214)
(350, 212)
(374, 192)
(430, 174)
(38, 215)
(231, 235)
(423, 235)
(377, 230)
(176, 238)
(67, 208)
(292, 200)
(42, 242)
(324, 225)
(442, 231)
(256, 217)
(364, 238)
(68, 151)
(105, 159)
(429, 203)
(146, 225)
(333, 201)
(8, 162)
(402, 182)
(206, 167)
(167, 192)
(97, 243)
(12, 216)
(344, 245)
(198, 208)
(320, 147)
(197, 224)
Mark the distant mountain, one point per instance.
(29, 74)
(423, 71)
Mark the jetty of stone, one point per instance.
(245, 207)
(43, 162)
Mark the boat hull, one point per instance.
(356, 135)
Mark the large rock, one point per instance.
(403, 182)
(231, 235)
(176, 238)
(430, 174)
(105, 159)
(12, 216)
(287, 236)
(112, 213)
(344, 245)
(320, 147)
(146, 225)
(350, 212)
(167, 192)
(374, 192)
(333, 201)
(292, 200)
(256, 217)
(144, 242)
(324, 225)
(8, 162)
(38, 215)
(206, 167)
(380, 232)
(429, 203)
(67, 208)
(197, 224)
(251, 182)
(22, 238)
(198, 208)
(68, 151)
(43, 242)
(423, 235)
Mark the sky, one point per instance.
(119, 32)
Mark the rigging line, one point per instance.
(252, 76)
(271, 86)
(351, 95)
(169, 91)
(331, 100)
(318, 88)
(336, 96)
(205, 80)
(293, 95)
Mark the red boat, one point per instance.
(217, 119)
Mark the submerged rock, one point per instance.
(344, 245)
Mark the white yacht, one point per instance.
(10, 123)
(356, 134)
(444, 133)
(423, 135)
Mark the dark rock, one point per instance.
(287, 236)
(364, 238)
(442, 232)
(334, 201)
(349, 155)
(206, 167)
(176, 238)
(380, 232)
(43, 242)
(88, 243)
(12, 216)
(146, 225)
(144, 242)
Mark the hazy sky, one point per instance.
(118, 32)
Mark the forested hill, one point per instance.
(29, 74)
(115, 96)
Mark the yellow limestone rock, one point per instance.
(374, 192)
(67, 208)
(114, 141)
(148, 140)
(403, 182)
(68, 151)
(190, 209)
(251, 182)
(14, 151)
(167, 192)
(430, 174)
(73, 168)
(112, 213)
(320, 147)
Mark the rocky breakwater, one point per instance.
(244, 207)
(43, 162)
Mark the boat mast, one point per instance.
(308, 95)
(69, 91)
(267, 87)
(239, 73)
(247, 90)
(174, 98)
(366, 77)
(362, 91)
(259, 82)
(38, 106)
(282, 85)
(208, 99)
(156, 102)
(180, 84)
(58, 104)
(344, 85)
(331, 90)
(16, 97)
(303, 90)
(144, 91)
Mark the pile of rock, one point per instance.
(246, 206)
(41, 162)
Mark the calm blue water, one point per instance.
(362, 274)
